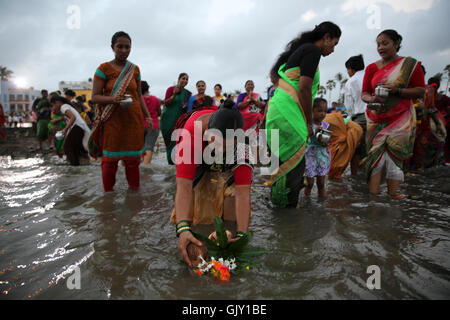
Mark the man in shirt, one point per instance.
(356, 108)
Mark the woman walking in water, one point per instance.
(122, 128)
(390, 86)
(175, 104)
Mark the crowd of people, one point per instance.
(390, 122)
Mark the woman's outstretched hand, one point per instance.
(183, 241)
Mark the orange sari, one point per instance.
(123, 133)
(344, 141)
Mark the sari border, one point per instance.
(290, 164)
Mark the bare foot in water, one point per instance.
(307, 191)
(322, 193)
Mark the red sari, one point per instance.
(392, 130)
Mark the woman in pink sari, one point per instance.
(391, 117)
(251, 106)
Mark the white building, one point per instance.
(15, 99)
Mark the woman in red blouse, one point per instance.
(391, 117)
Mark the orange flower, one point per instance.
(221, 271)
(198, 272)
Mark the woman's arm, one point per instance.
(171, 94)
(412, 93)
(72, 120)
(97, 94)
(260, 104)
(241, 103)
(305, 97)
(183, 201)
(242, 207)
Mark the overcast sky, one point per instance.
(219, 41)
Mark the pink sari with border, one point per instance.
(393, 128)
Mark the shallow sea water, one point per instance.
(53, 216)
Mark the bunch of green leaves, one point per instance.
(239, 250)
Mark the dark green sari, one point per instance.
(169, 118)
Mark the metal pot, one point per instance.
(381, 91)
(323, 136)
(127, 102)
(59, 135)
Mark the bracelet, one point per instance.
(183, 230)
(240, 234)
(187, 221)
(183, 226)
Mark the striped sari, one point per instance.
(115, 131)
(393, 128)
(287, 117)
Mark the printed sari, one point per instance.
(428, 147)
(287, 118)
(113, 136)
(170, 116)
(392, 129)
(252, 115)
(345, 138)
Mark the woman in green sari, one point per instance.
(175, 104)
(289, 117)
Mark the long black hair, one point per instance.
(307, 37)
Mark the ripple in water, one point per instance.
(55, 217)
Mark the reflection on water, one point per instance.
(54, 217)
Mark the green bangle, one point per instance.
(180, 232)
(240, 234)
(183, 227)
(187, 221)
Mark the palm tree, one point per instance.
(342, 81)
(331, 84)
(322, 91)
(5, 73)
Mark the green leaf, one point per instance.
(240, 244)
(221, 232)
(211, 245)
(252, 252)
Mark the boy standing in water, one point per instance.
(318, 156)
